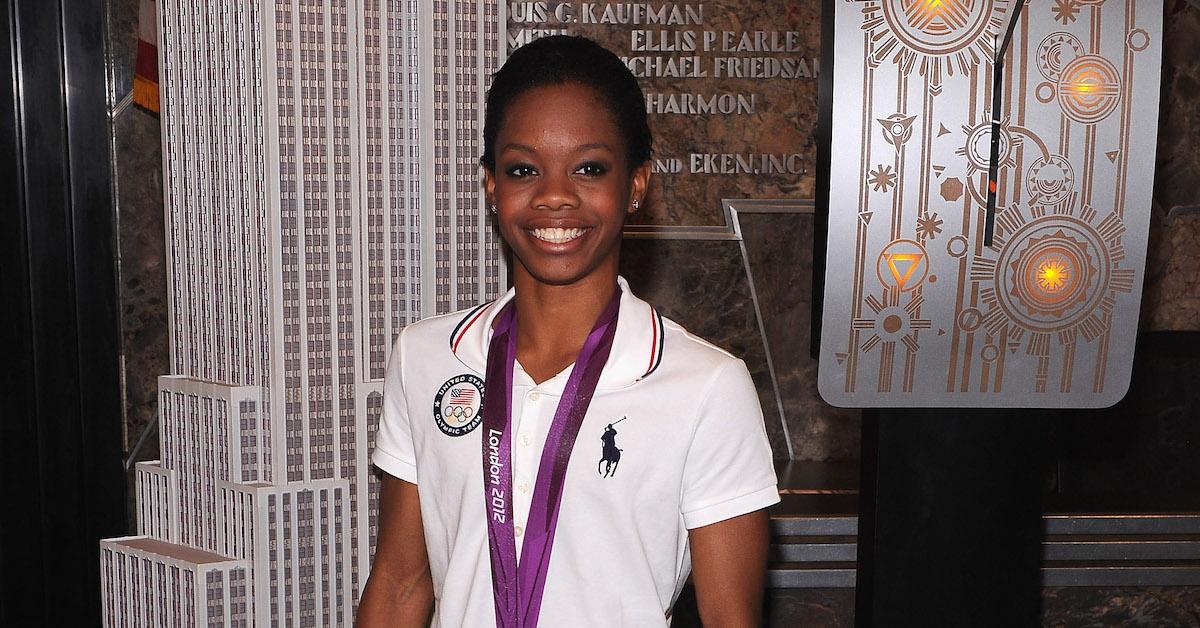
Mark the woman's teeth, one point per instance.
(557, 236)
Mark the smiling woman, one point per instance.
(662, 478)
(563, 186)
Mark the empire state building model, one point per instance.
(322, 191)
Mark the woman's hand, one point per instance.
(399, 591)
(729, 563)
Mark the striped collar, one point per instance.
(637, 347)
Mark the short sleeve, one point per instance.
(729, 471)
(394, 451)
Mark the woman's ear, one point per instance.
(489, 186)
(639, 183)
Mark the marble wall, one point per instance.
(137, 166)
(1171, 298)
(1077, 607)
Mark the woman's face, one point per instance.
(562, 186)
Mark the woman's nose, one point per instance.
(556, 192)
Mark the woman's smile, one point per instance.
(558, 235)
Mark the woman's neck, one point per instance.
(553, 322)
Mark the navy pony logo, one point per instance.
(610, 455)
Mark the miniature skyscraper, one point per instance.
(322, 191)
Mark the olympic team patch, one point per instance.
(458, 405)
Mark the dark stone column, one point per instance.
(60, 433)
(950, 530)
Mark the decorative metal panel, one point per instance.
(919, 309)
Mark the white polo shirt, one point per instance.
(689, 436)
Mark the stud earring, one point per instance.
(493, 208)
(636, 204)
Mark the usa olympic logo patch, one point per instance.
(458, 405)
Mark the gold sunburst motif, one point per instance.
(1052, 275)
(932, 35)
(1056, 274)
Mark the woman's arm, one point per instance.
(400, 589)
(729, 563)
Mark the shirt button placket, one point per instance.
(529, 417)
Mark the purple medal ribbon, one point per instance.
(517, 587)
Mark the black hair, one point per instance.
(559, 59)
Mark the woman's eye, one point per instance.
(521, 171)
(591, 169)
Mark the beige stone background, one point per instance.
(703, 285)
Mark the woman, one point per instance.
(609, 435)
